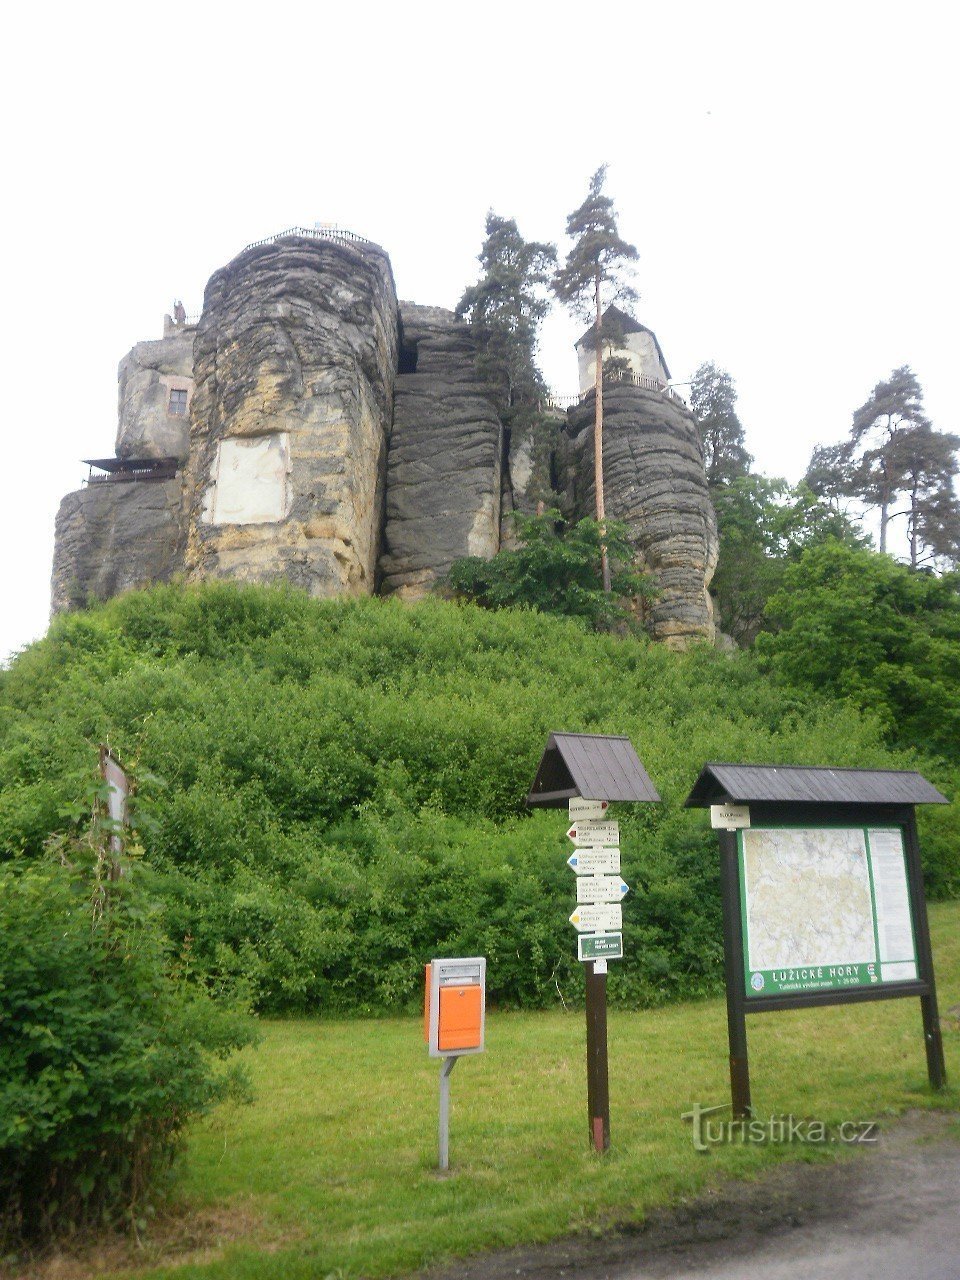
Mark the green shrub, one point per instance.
(106, 1052)
(344, 784)
(556, 568)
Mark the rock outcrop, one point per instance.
(152, 422)
(346, 444)
(444, 465)
(654, 480)
(295, 358)
(111, 537)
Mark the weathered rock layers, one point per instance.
(147, 375)
(295, 359)
(112, 537)
(654, 480)
(345, 443)
(444, 466)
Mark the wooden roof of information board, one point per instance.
(807, 784)
(592, 765)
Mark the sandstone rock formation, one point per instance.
(444, 465)
(345, 443)
(654, 480)
(111, 537)
(295, 358)
(149, 426)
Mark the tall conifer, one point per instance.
(595, 274)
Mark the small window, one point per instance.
(178, 403)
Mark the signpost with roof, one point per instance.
(823, 897)
(584, 773)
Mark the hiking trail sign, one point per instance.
(585, 772)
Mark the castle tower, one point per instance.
(638, 346)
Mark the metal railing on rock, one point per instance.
(562, 403)
(312, 233)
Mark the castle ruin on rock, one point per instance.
(311, 428)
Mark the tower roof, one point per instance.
(628, 324)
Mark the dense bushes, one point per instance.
(858, 625)
(343, 783)
(105, 1051)
(555, 568)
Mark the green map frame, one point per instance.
(813, 974)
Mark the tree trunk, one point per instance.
(914, 520)
(598, 440)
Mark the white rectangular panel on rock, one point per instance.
(252, 481)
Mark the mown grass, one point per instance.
(338, 1152)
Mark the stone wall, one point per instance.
(147, 374)
(654, 480)
(295, 358)
(445, 460)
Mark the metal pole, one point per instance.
(598, 1085)
(734, 975)
(448, 1065)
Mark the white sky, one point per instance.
(785, 171)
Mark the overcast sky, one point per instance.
(787, 172)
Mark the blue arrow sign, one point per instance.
(593, 862)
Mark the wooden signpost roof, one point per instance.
(805, 784)
(592, 766)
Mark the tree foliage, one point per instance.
(106, 1051)
(893, 455)
(855, 624)
(323, 760)
(764, 525)
(596, 271)
(598, 257)
(555, 569)
(505, 308)
(713, 399)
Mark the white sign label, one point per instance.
(729, 817)
(595, 862)
(600, 889)
(584, 834)
(592, 919)
(584, 810)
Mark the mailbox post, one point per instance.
(454, 1018)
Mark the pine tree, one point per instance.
(893, 454)
(894, 409)
(505, 308)
(595, 273)
(713, 399)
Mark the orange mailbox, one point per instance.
(454, 1006)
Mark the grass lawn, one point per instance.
(336, 1158)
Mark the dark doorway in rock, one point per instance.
(408, 357)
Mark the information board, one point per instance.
(824, 908)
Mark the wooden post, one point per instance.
(734, 975)
(932, 1033)
(598, 1085)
